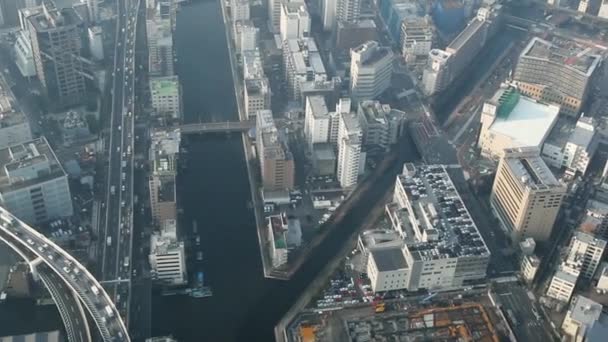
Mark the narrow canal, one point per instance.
(214, 191)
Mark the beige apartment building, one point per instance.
(526, 197)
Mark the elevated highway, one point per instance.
(64, 276)
(116, 223)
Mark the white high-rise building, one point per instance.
(295, 20)
(351, 161)
(371, 69)
(316, 121)
(563, 282)
(14, 125)
(246, 36)
(24, 58)
(166, 96)
(302, 65)
(334, 11)
(603, 13)
(587, 250)
(167, 256)
(160, 43)
(583, 5)
(274, 15)
(437, 74)
(416, 37)
(256, 95)
(95, 36)
(252, 65)
(277, 226)
(240, 10)
(33, 184)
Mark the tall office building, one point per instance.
(446, 65)
(160, 42)
(274, 15)
(335, 11)
(163, 156)
(371, 69)
(57, 37)
(33, 184)
(526, 197)
(295, 20)
(276, 161)
(163, 199)
(557, 71)
(351, 160)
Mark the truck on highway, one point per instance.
(113, 189)
(109, 241)
(126, 262)
(95, 289)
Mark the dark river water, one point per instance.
(214, 190)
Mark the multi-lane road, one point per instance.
(116, 225)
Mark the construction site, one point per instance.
(465, 322)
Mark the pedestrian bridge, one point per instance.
(215, 127)
(61, 273)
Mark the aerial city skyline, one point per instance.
(291, 170)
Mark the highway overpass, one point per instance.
(66, 280)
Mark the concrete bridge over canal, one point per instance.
(215, 127)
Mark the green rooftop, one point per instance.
(507, 101)
(280, 243)
(164, 87)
